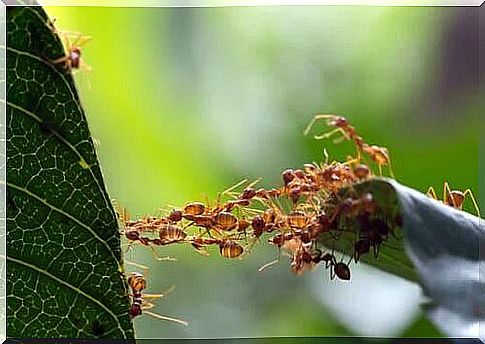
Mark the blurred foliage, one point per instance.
(186, 101)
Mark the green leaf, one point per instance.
(64, 267)
(436, 246)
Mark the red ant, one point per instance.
(379, 155)
(139, 305)
(454, 198)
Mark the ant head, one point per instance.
(300, 174)
(132, 235)
(175, 215)
(248, 193)
(306, 236)
(309, 168)
(258, 225)
(288, 176)
(277, 240)
(339, 121)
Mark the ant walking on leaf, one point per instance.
(454, 198)
(73, 43)
(139, 305)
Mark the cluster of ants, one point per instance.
(308, 209)
(314, 205)
(306, 205)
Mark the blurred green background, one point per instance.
(188, 101)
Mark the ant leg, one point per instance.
(348, 262)
(475, 204)
(167, 318)
(351, 160)
(251, 245)
(256, 181)
(188, 225)
(129, 247)
(267, 265)
(344, 136)
(431, 193)
(376, 249)
(391, 170)
(51, 25)
(325, 154)
(79, 41)
(146, 269)
(228, 190)
(446, 193)
(158, 296)
(157, 257)
(67, 47)
(64, 59)
(87, 71)
(315, 119)
(330, 133)
(332, 272)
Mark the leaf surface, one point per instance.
(63, 247)
(434, 245)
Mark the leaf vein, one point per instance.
(70, 286)
(60, 211)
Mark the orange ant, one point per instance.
(454, 198)
(139, 304)
(171, 234)
(133, 229)
(378, 154)
(228, 248)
